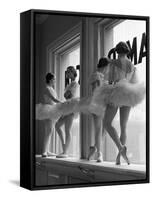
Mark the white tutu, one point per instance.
(43, 112)
(122, 93)
(54, 112)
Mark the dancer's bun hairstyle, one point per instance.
(49, 77)
(122, 47)
(73, 70)
(103, 62)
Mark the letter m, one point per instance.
(133, 50)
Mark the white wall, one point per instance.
(9, 100)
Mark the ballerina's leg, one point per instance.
(109, 116)
(48, 125)
(124, 116)
(68, 127)
(98, 137)
(97, 120)
(58, 125)
(108, 119)
(67, 121)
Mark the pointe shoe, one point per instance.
(123, 152)
(118, 162)
(92, 151)
(99, 157)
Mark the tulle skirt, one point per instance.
(121, 94)
(54, 112)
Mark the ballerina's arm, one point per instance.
(95, 80)
(71, 90)
(51, 96)
(132, 76)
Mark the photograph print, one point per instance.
(91, 78)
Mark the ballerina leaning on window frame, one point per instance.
(71, 91)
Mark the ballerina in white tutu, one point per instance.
(127, 93)
(49, 99)
(71, 91)
(97, 79)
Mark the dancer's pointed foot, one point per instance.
(92, 151)
(123, 152)
(118, 162)
(99, 157)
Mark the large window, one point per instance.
(132, 32)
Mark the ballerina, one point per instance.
(96, 80)
(121, 71)
(49, 98)
(71, 91)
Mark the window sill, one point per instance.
(91, 170)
